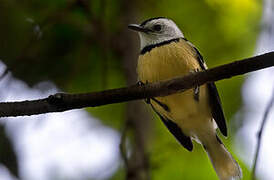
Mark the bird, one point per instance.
(194, 114)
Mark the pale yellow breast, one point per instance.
(169, 61)
(166, 62)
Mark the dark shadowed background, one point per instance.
(74, 46)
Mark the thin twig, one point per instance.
(122, 146)
(62, 102)
(259, 135)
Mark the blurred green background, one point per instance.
(84, 46)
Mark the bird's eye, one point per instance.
(157, 27)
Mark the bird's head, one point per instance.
(156, 30)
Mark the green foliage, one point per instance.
(70, 53)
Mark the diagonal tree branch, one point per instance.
(63, 102)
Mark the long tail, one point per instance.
(223, 162)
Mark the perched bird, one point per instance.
(193, 114)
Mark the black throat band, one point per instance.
(150, 47)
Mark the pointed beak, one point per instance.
(138, 28)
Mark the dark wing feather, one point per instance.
(216, 108)
(214, 99)
(184, 140)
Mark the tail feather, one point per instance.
(223, 162)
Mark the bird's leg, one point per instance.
(196, 93)
(196, 88)
(140, 83)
